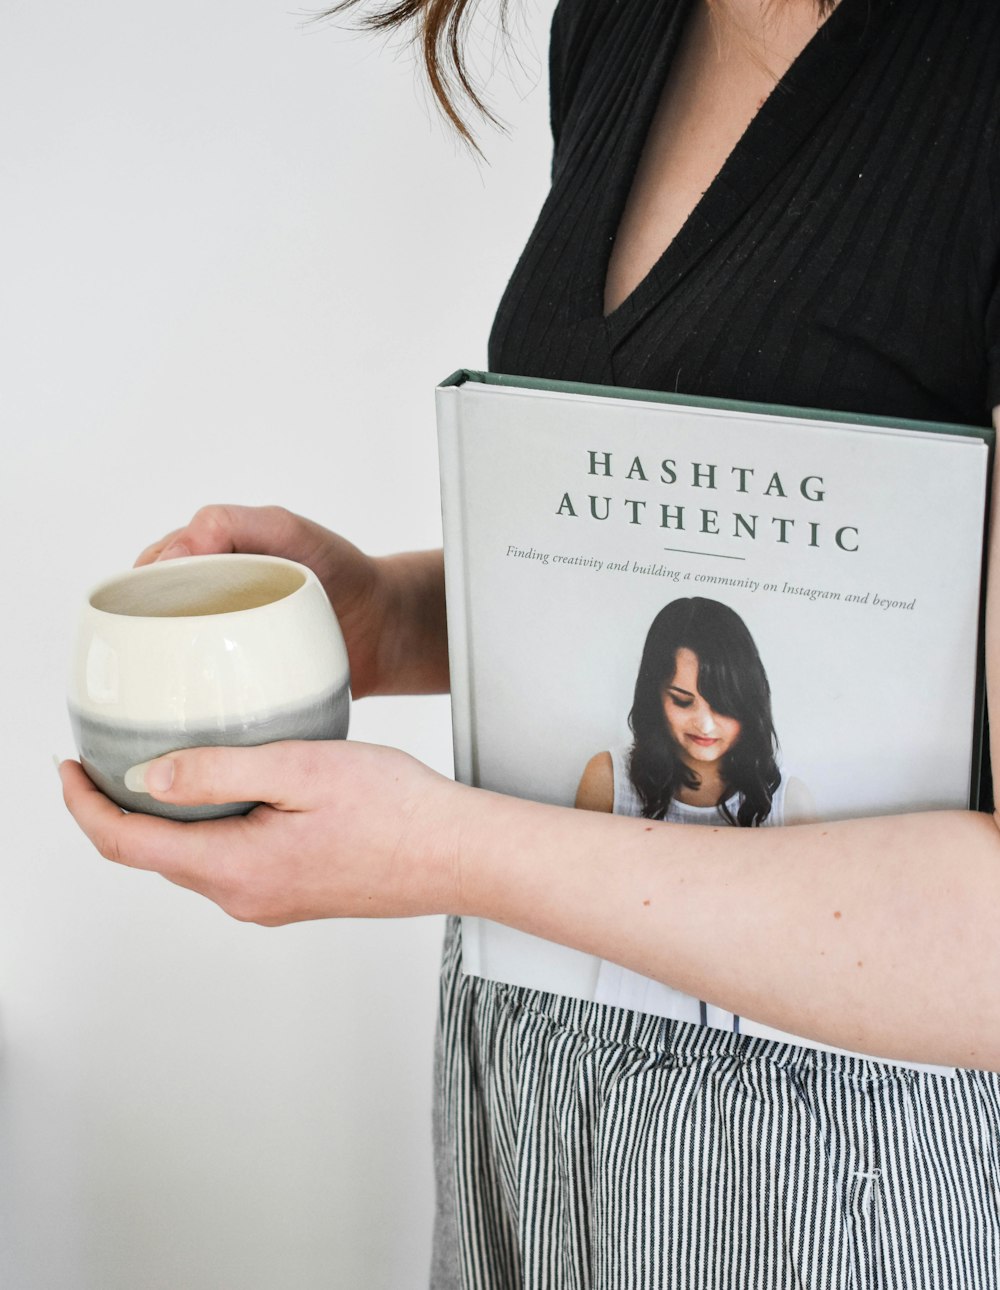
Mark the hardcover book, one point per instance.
(704, 611)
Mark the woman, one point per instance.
(704, 744)
(788, 202)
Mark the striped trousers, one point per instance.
(583, 1147)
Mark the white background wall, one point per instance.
(237, 254)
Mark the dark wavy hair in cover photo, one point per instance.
(732, 680)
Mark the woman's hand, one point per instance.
(391, 609)
(348, 830)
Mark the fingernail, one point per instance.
(150, 776)
(174, 551)
(57, 762)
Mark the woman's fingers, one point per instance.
(184, 853)
(152, 552)
(212, 531)
(281, 774)
(222, 529)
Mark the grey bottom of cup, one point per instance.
(107, 750)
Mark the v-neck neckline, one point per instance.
(814, 78)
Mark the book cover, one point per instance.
(705, 611)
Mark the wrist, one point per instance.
(477, 814)
(412, 655)
(507, 855)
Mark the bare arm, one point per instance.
(875, 935)
(414, 655)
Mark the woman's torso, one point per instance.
(845, 256)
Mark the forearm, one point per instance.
(413, 648)
(874, 935)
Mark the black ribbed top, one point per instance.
(847, 256)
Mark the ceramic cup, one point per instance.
(212, 649)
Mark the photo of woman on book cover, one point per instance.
(704, 745)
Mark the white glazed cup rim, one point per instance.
(164, 569)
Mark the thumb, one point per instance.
(274, 773)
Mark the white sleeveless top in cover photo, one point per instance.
(625, 989)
